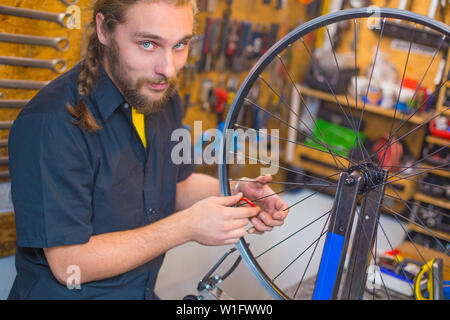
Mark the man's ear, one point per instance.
(101, 35)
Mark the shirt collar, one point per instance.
(106, 94)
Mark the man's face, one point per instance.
(145, 54)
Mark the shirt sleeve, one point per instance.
(184, 169)
(51, 181)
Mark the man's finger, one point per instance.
(230, 200)
(265, 179)
(244, 212)
(260, 226)
(269, 221)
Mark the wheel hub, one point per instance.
(372, 175)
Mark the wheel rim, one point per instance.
(252, 77)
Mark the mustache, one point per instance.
(142, 81)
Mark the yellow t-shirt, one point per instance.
(138, 121)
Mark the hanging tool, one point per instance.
(433, 8)
(281, 4)
(232, 43)
(186, 103)
(433, 270)
(211, 6)
(22, 84)
(6, 124)
(205, 93)
(56, 65)
(69, 2)
(212, 44)
(60, 18)
(241, 52)
(221, 59)
(221, 100)
(4, 103)
(205, 45)
(58, 43)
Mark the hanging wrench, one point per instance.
(22, 84)
(58, 43)
(69, 2)
(6, 103)
(57, 65)
(6, 124)
(60, 18)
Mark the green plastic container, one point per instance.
(339, 139)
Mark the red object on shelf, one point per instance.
(439, 133)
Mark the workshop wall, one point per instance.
(261, 15)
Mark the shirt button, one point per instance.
(126, 105)
(151, 211)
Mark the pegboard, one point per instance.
(19, 25)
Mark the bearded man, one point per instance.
(95, 193)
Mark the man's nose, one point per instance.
(165, 66)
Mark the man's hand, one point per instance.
(273, 209)
(212, 221)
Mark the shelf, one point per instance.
(440, 202)
(323, 165)
(440, 234)
(416, 119)
(442, 173)
(408, 250)
(436, 140)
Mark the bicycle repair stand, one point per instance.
(207, 287)
(364, 183)
(364, 180)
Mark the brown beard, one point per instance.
(130, 90)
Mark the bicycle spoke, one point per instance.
(422, 160)
(329, 87)
(287, 169)
(312, 255)
(374, 257)
(293, 234)
(294, 142)
(306, 198)
(301, 97)
(284, 183)
(415, 174)
(355, 32)
(415, 129)
(420, 206)
(296, 129)
(423, 226)
(400, 89)
(339, 71)
(296, 258)
(397, 215)
(404, 121)
(325, 145)
(396, 257)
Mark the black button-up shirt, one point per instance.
(68, 185)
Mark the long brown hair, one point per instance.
(114, 12)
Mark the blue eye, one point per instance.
(147, 45)
(180, 46)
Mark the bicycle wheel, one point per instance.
(323, 147)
